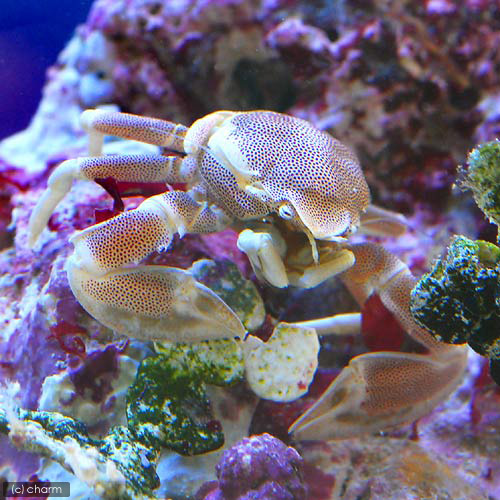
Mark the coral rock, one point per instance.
(260, 468)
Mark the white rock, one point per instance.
(282, 368)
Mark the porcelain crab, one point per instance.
(295, 194)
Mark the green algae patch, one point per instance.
(136, 461)
(482, 176)
(117, 466)
(167, 406)
(459, 300)
(58, 426)
(240, 294)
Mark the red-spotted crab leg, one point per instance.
(148, 302)
(381, 389)
(99, 123)
(378, 221)
(131, 168)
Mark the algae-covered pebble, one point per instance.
(282, 368)
(240, 294)
(217, 362)
(135, 460)
(168, 406)
(482, 176)
(459, 300)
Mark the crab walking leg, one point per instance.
(378, 221)
(137, 168)
(133, 235)
(149, 302)
(99, 123)
(340, 324)
(381, 389)
(131, 168)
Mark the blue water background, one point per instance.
(32, 33)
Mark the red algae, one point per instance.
(381, 331)
(96, 373)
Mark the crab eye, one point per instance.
(286, 211)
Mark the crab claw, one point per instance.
(380, 390)
(154, 303)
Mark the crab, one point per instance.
(295, 195)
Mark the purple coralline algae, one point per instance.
(259, 467)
